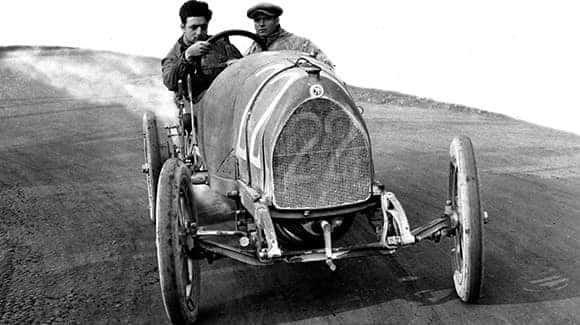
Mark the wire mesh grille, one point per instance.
(321, 159)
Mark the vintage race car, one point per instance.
(279, 142)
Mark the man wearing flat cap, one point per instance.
(193, 54)
(266, 17)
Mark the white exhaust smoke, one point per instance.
(100, 77)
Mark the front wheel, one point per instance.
(467, 253)
(179, 274)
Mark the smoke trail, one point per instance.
(100, 77)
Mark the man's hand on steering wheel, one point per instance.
(197, 49)
(201, 48)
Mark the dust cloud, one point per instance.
(100, 77)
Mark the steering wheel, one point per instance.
(237, 32)
(230, 32)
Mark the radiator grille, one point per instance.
(321, 159)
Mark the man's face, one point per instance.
(195, 29)
(265, 25)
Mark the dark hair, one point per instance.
(194, 8)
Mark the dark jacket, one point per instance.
(175, 67)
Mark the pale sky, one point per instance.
(519, 58)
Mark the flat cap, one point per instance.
(265, 8)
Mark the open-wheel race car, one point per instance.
(278, 140)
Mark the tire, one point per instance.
(179, 274)
(467, 253)
(156, 151)
(152, 158)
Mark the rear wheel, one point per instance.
(179, 274)
(467, 253)
(156, 150)
(152, 159)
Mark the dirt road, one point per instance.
(76, 245)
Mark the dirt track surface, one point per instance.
(76, 245)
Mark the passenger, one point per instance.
(266, 18)
(193, 54)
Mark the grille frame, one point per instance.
(358, 124)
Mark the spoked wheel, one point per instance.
(179, 274)
(467, 253)
(156, 152)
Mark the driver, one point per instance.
(193, 54)
(267, 24)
